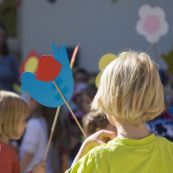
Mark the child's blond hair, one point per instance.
(130, 89)
(12, 109)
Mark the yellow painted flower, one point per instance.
(104, 61)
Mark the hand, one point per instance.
(100, 137)
(40, 168)
(95, 139)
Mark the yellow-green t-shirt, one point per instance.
(121, 155)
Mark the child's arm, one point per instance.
(95, 139)
(40, 168)
(25, 161)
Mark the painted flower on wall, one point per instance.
(104, 61)
(152, 23)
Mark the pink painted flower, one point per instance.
(152, 23)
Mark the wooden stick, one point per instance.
(149, 47)
(69, 108)
(74, 56)
(51, 134)
(58, 109)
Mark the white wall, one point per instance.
(100, 26)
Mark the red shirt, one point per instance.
(8, 159)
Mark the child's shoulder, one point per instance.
(35, 122)
(165, 142)
(105, 149)
(7, 149)
(116, 146)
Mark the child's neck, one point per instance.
(131, 131)
(4, 139)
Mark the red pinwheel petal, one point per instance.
(48, 69)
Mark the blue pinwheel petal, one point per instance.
(45, 92)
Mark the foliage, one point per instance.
(8, 13)
(168, 58)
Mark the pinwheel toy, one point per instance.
(53, 74)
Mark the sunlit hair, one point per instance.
(130, 89)
(12, 109)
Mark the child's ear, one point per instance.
(110, 119)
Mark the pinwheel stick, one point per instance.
(51, 134)
(58, 109)
(74, 56)
(69, 108)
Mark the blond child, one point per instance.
(130, 94)
(13, 112)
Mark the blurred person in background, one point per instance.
(93, 122)
(35, 138)
(163, 125)
(9, 72)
